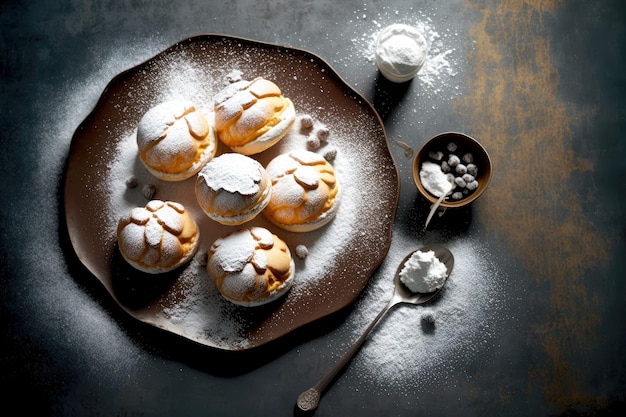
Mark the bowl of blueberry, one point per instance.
(452, 167)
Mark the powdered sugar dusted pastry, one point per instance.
(233, 188)
(175, 140)
(159, 237)
(305, 191)
(251, 266)
(252, 116)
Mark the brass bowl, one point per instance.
(465, 144)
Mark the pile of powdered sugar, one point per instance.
(423, 272)
(433, 179)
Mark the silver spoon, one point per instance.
(309, 399)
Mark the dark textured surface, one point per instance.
(539, 83)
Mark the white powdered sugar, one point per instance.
(434, 180)
(234, 173)
(423, 272)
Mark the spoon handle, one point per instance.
(309, 399)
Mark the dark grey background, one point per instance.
(68, 350)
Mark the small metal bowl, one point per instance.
(465, 144)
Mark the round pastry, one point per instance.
(159, 237)
(305, 191)
(252, 116)
(233, 188)
(175, 140)
(251, 266)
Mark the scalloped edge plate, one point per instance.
(342, 255)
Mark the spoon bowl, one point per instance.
(309, 399)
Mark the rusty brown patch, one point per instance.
(513, 109)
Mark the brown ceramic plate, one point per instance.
(342, 255)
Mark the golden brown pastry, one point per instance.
(233, 188)
(251, 266)
(305, 191)
(159, 237)
(175, 140)
(252, 116)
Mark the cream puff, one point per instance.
(252, 116)
(305, 191)
(251, 266)
(159, 237)
(175, 140)
(233, 189)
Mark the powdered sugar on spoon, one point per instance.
(423, 264)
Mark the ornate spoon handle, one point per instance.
(309, 399)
